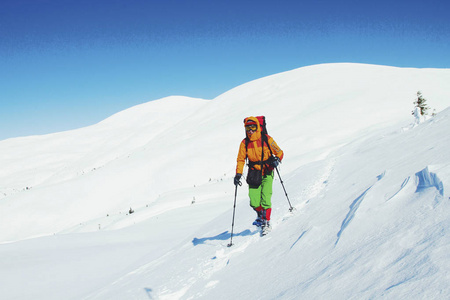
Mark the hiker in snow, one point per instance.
(263, 156)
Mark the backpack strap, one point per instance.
(251, 164)
(266, 139)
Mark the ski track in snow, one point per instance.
(213, 262)
(218, 257)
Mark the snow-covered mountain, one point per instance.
(369, 187)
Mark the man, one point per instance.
(263, 156)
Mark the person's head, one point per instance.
(251, 125)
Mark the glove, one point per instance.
(274, 161)
(237, 179)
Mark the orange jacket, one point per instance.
(253, 151)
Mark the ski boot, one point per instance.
(265, 227)
(258, 222)
(259, 219)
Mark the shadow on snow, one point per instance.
(222, 236)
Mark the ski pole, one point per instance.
(281, 180)
(234, 209)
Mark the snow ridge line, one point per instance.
(405, 182)
(298, 239)
(353, 208)
(426, 179)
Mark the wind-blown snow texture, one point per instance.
(370, 187)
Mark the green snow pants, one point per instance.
(262, 195)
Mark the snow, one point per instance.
(369, 184)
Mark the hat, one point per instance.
(250, 122)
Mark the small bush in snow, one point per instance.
(420, 102)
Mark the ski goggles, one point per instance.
(250, 127)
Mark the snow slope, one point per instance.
(369, 188)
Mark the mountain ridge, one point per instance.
(369, 185)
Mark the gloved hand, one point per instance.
(237, 179)
(274, 161)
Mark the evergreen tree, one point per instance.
(421, 103)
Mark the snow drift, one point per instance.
(370, 190)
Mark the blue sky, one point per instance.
(67, 64)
